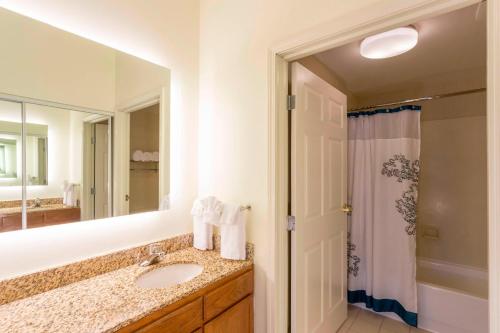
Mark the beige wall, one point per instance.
(317, 67)
(165, 32)
(452, 184)
(235, 39)
(66, 68)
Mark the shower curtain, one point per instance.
(383, 167)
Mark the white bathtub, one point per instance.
(452, 298)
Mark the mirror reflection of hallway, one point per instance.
(144, 159)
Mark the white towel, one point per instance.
(233, 233)
(206, 212)
(202, 234)
(212, 210)
(156, 156)
(147, 156)
(71, 194)
(138, 155)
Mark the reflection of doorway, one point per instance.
(100, 169)
(144, 161)
(95, 192)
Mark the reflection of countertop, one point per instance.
(108, 302)
(13, 210)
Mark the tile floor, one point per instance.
(362, 321)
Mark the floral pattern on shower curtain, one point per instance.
(383, 168)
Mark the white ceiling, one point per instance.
(448, 43)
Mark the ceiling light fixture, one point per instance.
(389, 43)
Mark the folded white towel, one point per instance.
(156, 156)
(202, 234)
(212, 210)
(206, 212)
(138, 155)
(71, 194)
(147, 156)
(233, 233)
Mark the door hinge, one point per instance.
(290, 102)
(290, 223)
(92, 191)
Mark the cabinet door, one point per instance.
(11, 222)
(238, 318)
(36, 219)
(184, 320)
(65, 215)
(230, 293)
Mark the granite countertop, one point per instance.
(108, 302)
(13, 210)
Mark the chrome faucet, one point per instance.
(36, 203)
(155, 255)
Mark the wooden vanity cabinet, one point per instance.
(223, 307)
(41, 218)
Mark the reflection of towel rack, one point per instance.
(247, 207)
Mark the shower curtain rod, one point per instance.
(426, 98)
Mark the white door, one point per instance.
(318, 185)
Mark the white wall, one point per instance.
(66, 68)
(235, 38)
(58, 154)
(162, 31)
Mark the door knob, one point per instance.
(346, 209)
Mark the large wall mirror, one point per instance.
(84, 128)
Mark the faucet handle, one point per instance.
(155, 248)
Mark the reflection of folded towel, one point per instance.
(138, 155)
(71, 194)
(147, 156)
(156, 156)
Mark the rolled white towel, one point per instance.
(138, 155)
(148, 157)
(202, 232)
(212, 210)
(156, 156)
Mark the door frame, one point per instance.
(369, 20)
(160, 96)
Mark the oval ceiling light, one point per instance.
(389, 44)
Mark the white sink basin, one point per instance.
(168, 276)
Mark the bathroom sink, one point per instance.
(168, 276)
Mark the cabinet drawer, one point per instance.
(227, 295)
(183, 320)
(238, 318)
(35, 219)
(66, 215)
(11, 222)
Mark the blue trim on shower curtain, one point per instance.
(377, 111)
(382, 305)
